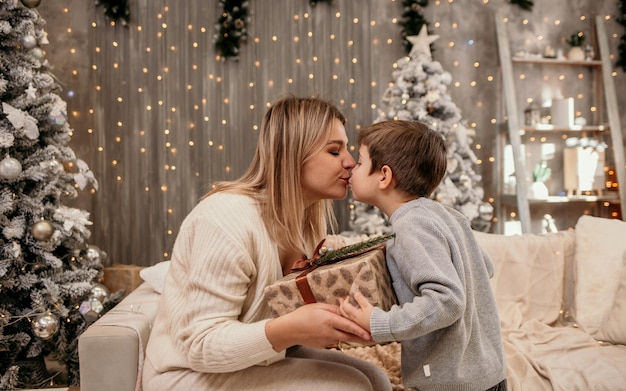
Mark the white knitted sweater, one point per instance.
(212, 312)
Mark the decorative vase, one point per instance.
(576, 53)
(539, 190)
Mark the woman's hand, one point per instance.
(361, 314)
(316, 325)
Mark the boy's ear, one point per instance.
(386, 178)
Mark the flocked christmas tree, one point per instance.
(49, 275)
(420, 93)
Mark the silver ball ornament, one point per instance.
(91, 254)
(29, 41)
(55, 166)
(58, 119)
(37, 54)
(42, 230)
(45, 326)
(91, 309)
(104, 258)
(10, 168)
(99, 292)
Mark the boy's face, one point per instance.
(364, 185)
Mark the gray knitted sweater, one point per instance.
(447, 319)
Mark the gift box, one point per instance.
(122, 277)
(364, 272)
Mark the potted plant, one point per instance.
(541, 173)
(576, 41)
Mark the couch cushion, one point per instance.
(600, 248)
(155, 275)
(528, 277)
(613, 328)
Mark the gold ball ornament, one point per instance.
(31, 3)
(45, 326)
(69, 166)
(42, 230)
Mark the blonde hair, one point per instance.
(293, 129)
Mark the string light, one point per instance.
(460, 53)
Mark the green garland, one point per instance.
(526, 5)
(313, 3)
(116, 10)
(621, 57)
(231, 27)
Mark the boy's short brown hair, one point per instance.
(415, 153)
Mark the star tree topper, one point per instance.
(421, 42)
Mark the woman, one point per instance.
(213, 329)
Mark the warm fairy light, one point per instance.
(207, 82)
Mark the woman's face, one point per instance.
(326, 174)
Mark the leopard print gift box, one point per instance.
(366, 273)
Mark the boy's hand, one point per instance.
(361, 314)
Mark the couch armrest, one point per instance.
(111, 350)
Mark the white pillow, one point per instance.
(528, 275)
(600, 247)
(155, 275)
(613, 328)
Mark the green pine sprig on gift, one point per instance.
(356, 248)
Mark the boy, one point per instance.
(447, 318)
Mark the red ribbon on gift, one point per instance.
(308, 265)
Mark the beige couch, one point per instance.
(561, 298)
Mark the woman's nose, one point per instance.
(349, 162)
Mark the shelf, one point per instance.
(553, 61)
(548, 128)
(576, 129)
(511, 200)
(524, 144)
